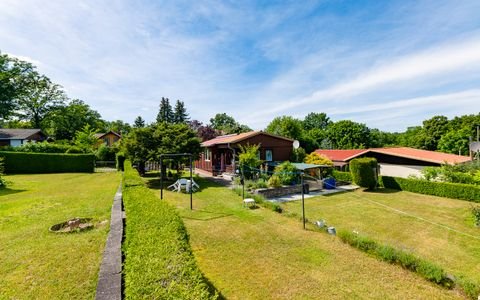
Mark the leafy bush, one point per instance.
(105, 153)
(31, 163)
(476, 215)
(248, 159)
(468, 173)
(287, 173)
(318, 159)
(44, 147)
(3, 183)
(274, 181)
(120, 160)
(442, 189)
(159, 263)
(407, 260)
(298, 155)
(342, 176)
(363, 172)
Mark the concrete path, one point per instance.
(296, 197)
(217, 179)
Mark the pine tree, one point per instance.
(139, 122)
(165, 114)
(180, 113)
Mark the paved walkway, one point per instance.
(295, 197)
(217, 179)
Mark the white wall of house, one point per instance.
(400, 170)
(16, 143)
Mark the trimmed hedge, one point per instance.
(342, 176)
(36, 163)
(442, 189)
(363, 172)
(392, 255)
(159, 263)
(120, 160)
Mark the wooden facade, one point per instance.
(220, 155)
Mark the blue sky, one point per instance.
(389, 64)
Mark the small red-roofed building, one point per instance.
(395, 161)
(220, 154)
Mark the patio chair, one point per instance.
(174, 186)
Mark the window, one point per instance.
(268, 155)
(208, 154)
(258, 154)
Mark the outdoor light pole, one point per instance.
(161, 179)
(303, 201)
(191, 182)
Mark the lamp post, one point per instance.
(303, 200)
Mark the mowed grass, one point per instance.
(259, 254)
(35, 263)
(440, 230)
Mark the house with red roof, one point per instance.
(395, 161)
(220, 154)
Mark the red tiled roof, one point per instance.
(424, 155)
(340, 155)
(405, 152)
(235, 138)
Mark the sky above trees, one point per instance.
(387, 64)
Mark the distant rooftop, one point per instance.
(17, 133)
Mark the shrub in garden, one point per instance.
(3, 183)
(120, 160)
(364, 172)
(274, 181)
(476, 215)
(298, 155)
(105, 153)
(37, 163)
(342, 176)
(287, 173)
(318, 159)
(248, 159)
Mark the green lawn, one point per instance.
(259, 254)
(35, 263)
(440, 230)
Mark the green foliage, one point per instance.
(180, 113)
(227, 124)
(86, 138)
(287, 173)
(462, 173)
(36, 163)
(476, 215)
(442, 189)
(65, 120)
(455, 141)
(286, 126)
(105, 153)
(165, 114)
(139, 122)
(471, 289)
(3, 183)
(347, 134)
(363, 172)
(298, 155)
(433, 129)
(45, 147)
(120, 161)
(318, 159)
(392, 255)
(342, 176)
(316, 121)
(159, 263)
(248, 159)
(274, 181)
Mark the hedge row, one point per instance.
(35, 163)
(159, 263)
(410, 262)
(442, 189)
(342, 176)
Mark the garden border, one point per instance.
(109, 284)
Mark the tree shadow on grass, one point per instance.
(7, 191)
(382, 191)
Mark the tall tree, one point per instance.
(347, 134)
(13, 75)
(227, 124)
(64, 121)
(165, 114)
(139, 122)
(455, 141)
(40, 98)
(286, 126)
(180, 113)
(119, 127)
(433, 130)
(316, 121)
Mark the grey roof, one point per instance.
(304, 166)
(18, 134)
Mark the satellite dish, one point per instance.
(296, 144)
